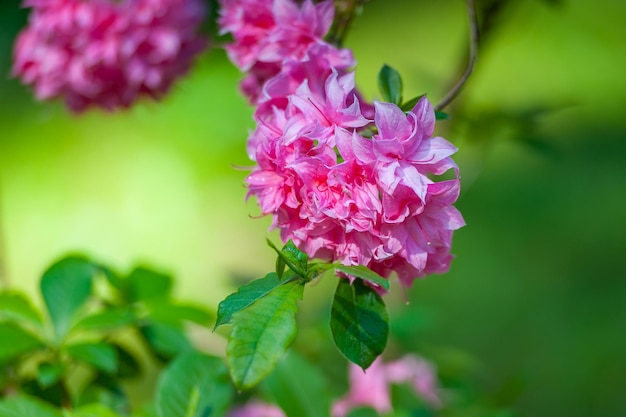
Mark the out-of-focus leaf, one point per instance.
(439, 115)
(359, 322)
(194, 385)
(165, 339)
(298, 387)
(93, 410)
(109, 319)
(245, 296)
(128, 365)
(66, 286)
(363, 272)
(15, 341)
(165, 311)
(390, 85)
(364, 412)
(144, 284)
(15, 306)
(100, 355)
(25, 406)
(48, 374)
(262, 333)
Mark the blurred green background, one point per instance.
(533, 312)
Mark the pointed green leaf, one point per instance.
(66, 286)
(408, 105)
(390, 85)
(194, 385)
(16, 306)
(110, 319)
(144, 284)
(245, 296)
(15, 341)
(100, 355)
(298, 387)
(48, 374)
(439, 115)
(25, 406)
(262, 333)
(295, 259)
(363, 272)
(280, 266)
(359, 322)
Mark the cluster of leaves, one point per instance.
(262, 314)
(97, 328)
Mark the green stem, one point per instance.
(4, 277)
(345, 11)
(473, 53)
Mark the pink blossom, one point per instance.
(372, 388)
(267, 34)
(367, 388)
(344, 197)
(257, 409)
(107, 53)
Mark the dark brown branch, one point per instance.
(473, 53)
(345, 11)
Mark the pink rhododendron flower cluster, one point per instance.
(107, 52)
(268, 32)
(346, 180)
(371, 388)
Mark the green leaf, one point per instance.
(15, 306)
(194, 385)
(24, 406)
(128, 365)
(100, 355)
(439, 115)
(298, 387)
(66, 286)
(93, 410)
(408, 105)
(144, 284)
(166, 340)
(390, 85)
(359, 322)
(280, 266)
(48, 374)
(262, 333)
(109, 319)
(169, 312)
(244, 297)
(15, 341)
(363, 272)
(295, 259)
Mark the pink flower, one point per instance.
(107, 53)
(343, 197)
(367, 388)
(269, 33)
(372, 388)
(257, 409)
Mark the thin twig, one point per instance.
(473, 53)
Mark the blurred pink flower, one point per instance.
(107, 53)
(269, 32)
(372, 388)
(257, 409)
